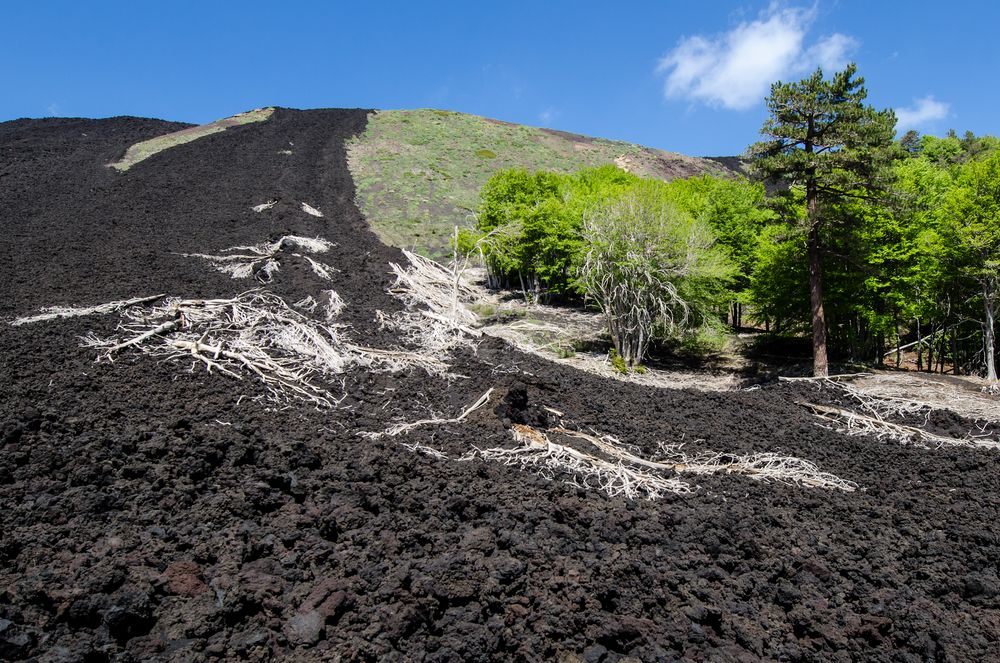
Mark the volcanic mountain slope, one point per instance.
(151, 509)
(419, 172)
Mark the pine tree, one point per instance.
(822, 137)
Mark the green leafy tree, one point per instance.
(529, 226)
(953, 151)
(822, 137)
(972, 227)
(528, 240)
(736, 211)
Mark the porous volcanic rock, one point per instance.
(151, 511)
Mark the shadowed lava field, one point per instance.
(151, 510)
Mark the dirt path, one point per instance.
(149, 512)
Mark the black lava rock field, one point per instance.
(152, 509)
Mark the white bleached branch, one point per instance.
(759, 466)
(55, 312)
(399, 429)
(310, 210)
(257, 334)
(548, 458)
(855, 424)
(437, 318)
(334, 305)
(262, 260)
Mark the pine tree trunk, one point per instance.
(820, 364)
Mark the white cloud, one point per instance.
(735, 69)
(831, 53)
(53, 109)
(922, 112)
(548, 115)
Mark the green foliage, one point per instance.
(821, 134)
(971, 208)
(919, 263)
(910, 143)
(565, 351)
(649, 265)
(822, 138)
(486, 154)
(971, 228)
(953, 151)
(529, 224)
(735, 210)
(467, 242)
(941, 151)
(529, 237)
(618, 362)
(646, 251)
(779, 288)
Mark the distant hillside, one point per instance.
(418, 172)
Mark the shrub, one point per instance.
(648, 265)
(618, 362)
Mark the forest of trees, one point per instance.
(868, 245)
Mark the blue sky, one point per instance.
(683, 76)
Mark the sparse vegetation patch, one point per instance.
(147, 148)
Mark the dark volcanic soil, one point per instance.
(148, 512)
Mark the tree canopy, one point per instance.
(821, 136)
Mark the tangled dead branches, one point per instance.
(881, 407)
(331, 307)
(585, 471)
(262, 260)
(855, 424)
(399, 429)
(436, 318)
(762, 466)
(878, 409)
(620, 472)
(256, 334)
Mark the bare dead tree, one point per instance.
(641, 250)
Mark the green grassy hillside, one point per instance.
(418, 172)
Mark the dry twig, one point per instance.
(264, 206)
(54, 312)
(310, 210)
(822, 378)
(854, 424)
(262, 260)
(759, 466)
(399, 429)
(538, 452)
